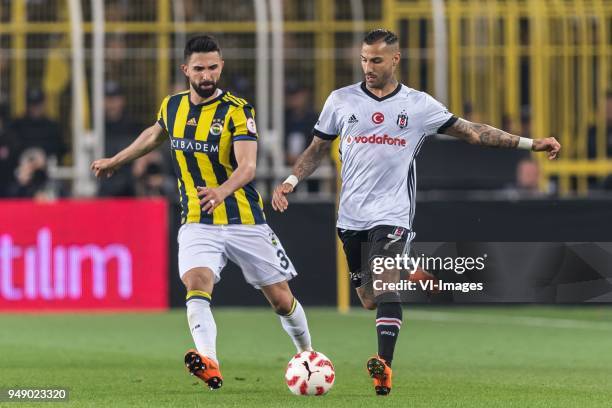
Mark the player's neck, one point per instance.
(385, 90)
(197, 99)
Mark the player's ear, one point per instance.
(396, 59)
(184, 68)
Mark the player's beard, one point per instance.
(204, 92)
(381, 81)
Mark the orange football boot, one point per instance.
(204, 368)
(381, 374)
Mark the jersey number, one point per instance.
(284, 262)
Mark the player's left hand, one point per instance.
(549, 145)
(210, 198)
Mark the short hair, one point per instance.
(379, 34)
(201, 43)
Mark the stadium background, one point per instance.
(79, 79)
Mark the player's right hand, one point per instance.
(279, 198)
(104, 167)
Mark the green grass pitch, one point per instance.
(446, 357)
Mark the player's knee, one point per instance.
(198, 279)
(282, 305)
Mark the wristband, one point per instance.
(291, 180)
(525, 143)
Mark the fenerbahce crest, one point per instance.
(217, 127)
(402, 120)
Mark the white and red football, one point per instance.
(310, 373)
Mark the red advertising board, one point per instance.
(83, 255)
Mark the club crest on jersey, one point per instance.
(217, 127)
(273, 239)
(378, 118)
(402, 120)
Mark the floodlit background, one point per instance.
(78, 78)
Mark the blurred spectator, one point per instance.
(151, 176)
(35, 129)
(8, 154)
(32, 180)
(527, 180)
(300, 118)
(116, 55)
(194, 10)
(116, 10)
(119, 132)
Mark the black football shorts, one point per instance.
(360, 247)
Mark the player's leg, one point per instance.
(291, 314)
(201, 258)
(357, 248)
(386, 242)
(199, 284)
(266, 266)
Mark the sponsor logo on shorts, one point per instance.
(398, 232)
(395, 236)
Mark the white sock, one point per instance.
(296, 326)
(202, 326)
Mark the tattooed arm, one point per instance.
(305, 165)
(310, 159)
(485, 135)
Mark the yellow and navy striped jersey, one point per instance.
(201, 143)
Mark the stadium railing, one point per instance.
(539, 67)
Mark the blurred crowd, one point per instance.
(31, 143)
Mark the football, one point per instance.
(310, 373)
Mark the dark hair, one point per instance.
(201, 43)
(379, 34)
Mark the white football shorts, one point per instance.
(254, 248)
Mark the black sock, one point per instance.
(388, 323)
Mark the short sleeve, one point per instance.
(242, 123)
(162, 115)
(326, 127)
(436, 117)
